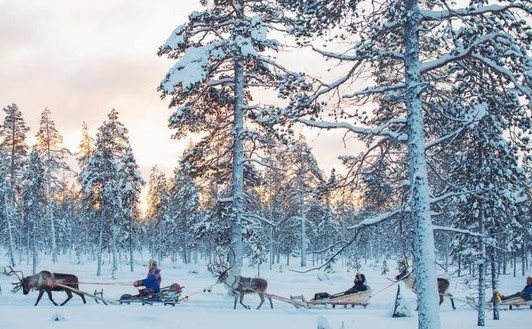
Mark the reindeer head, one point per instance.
(9, 271)
(404, 268)
(220, 268)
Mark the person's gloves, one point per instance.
(137, 283)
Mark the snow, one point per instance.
(215, 309)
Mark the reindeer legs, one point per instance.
(261, 300)
(69, 295)
(82, 297)
(41, 292)
(242, 301)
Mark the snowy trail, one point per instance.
(215, 309)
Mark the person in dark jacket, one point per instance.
(360, 284)
(152, 282)
(526, 293)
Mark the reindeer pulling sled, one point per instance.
(46, 282)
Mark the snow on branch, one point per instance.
(262, 163)
(507, 73)
(343, 57)
(382, 130)
(380, 218)
(478, 113)
(456, 230)
(440, 15)
(458, 53)
(374, 90)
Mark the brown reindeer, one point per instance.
(46, 281)
(410, 281)
(239, 286)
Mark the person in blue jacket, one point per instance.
(152, 282)
(526, 293)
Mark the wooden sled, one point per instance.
(516, 302)
(358, 298)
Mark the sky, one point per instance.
(83, 58)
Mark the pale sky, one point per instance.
(83, 58)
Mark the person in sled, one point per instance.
(360, 284)
(525, 294)
(152, 282)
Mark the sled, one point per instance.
(167, 296)
(516, 302)
(358, 298)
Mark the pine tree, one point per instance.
(157, 211)
(131, 183)
(183, 213)
(50, 147)
(33, 201)
(412, 54)
(220, 59)
(14, 149)
(85, 148)
(101, 198)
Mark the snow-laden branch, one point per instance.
(507, 73)
(456, 230)
(440, 15)
(479, 113)
(380, 218)
(458, 53)
(382, 130)
(343, 57)
(374, 90)
(262, 163)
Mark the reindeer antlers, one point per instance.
(13, 272)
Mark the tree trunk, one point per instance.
(523, 260)
(494, 284)
(424, 255)
(100, 246)
(9, 218)
(303, 242)
(238, 168)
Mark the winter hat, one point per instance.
(360, 277)
(152, 263)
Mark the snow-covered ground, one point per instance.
(215, 309)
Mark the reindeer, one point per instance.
(46, 281)
(410, 281)
(239, 286)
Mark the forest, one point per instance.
(439, 94)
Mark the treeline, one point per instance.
(292, 208)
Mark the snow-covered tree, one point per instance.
(14, 149)
(100, 193)
(157, 211)
(221, 60)
(131, 183)
(411, 50)
(183, 213)
(85, 148)
(33, 202)
(49, 144)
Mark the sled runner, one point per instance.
(515, 302)
(167, 295)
